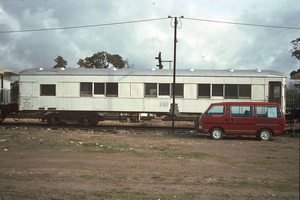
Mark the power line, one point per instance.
(146, 20)
(83, 26)
(243, 24)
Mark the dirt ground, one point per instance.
(64, 164)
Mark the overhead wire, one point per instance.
(146, 20)
(242, 24)
(82, 26)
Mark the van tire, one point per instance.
(216, 134)
(265, 135)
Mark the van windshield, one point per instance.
(215, 110)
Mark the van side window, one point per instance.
(216, 110)
(268, 112)
(241, 111)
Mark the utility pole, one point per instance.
(174, 71)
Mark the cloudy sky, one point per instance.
(204, 41)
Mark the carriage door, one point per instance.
(275, 92)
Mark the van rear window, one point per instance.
(268, 112)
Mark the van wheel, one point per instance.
(265, 135)
(216, 133)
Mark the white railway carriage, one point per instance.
(5, 79)
(5, 91)
(144, 91)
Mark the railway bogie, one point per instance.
(80, 118)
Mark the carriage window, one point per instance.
(244, 91)
(164, 89)
(150, 89)
(241, 111)
(231, 91)
(178, 89)
(234, 91)
(217, 90)
(85, 89)
(98, 88)
(112, 89)
(204, 90)
(268, 112)
(47, 90)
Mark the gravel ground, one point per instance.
(62, 163)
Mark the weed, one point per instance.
(106, 148)
(196, 155)
(122, 193)
(265, 148)
(157, 178)
(242, 182)
(187, 195)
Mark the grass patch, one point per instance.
(106, 148)
(264, 162)
(197, 155)
(129, 193)
(241, 182)
(288, 147)
(122, 193)
(157, 178)
(265, 148)
(187, 195)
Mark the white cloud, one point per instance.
(201, 45)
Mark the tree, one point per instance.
(293, 96)
(296, 54)
(81, 63)
(14, 95)
(293, 90)
(116, 60)
(102, 60)
(296, 51)
(295, 74)
(60, 62)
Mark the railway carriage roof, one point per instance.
(247, 104)
(150, 72)
(6, 71)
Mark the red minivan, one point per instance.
(260, 119)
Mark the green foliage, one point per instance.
(296, 54)
(293, 96)
(122, 193)
(116, 60)
(296, 51)
(293, 73)
(102, 60)
(60, 62)
(14, 96)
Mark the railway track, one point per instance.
(115, 126)
(119, 127)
